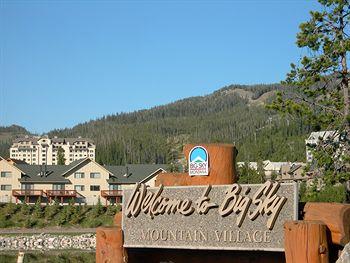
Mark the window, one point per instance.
(95, 175)
(115, 187)
(27, 186)
(79, 175)
(94, 188)
(6, 174)
(6, 187)
(58, 187)
(79, 188)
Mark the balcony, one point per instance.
(113, 196)
(61, 193)
(28, 195)
(111, 193)
(27, 192)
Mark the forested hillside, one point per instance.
(7, 134)
(233, 114)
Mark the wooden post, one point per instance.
(221, 168)
(109, 243)
(305, 241)
(335, 216)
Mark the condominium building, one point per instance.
(44, 150)
(83, 181)
(315, 138)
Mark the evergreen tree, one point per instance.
(320, 88)
(60, 156)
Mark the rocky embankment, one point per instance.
(48, 242)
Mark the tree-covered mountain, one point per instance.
(233, 114)
(7, 134)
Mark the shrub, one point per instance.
(25, 209)
(38, 211)
(98, 208)
(329, 193)
(10, 209)
(52, 210)
(112, 210)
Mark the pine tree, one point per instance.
(60, 156)
(319, 88)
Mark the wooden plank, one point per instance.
(336, 216)
(306, 241)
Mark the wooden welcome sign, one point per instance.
(234, 217)
(204, 216)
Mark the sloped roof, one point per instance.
(53, 174)
(58, 173)
(32, 139)
(136, 172)
(324, 135)
(17, 161)
(73, 140)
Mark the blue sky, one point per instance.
(66, 62)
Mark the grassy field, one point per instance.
(37, 216)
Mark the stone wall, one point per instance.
(48, 242)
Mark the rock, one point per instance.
(47, 242)
(345, 255)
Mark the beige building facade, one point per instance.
(44, 150)
(82, 182)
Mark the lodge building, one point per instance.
(83, 181)
(44, 150)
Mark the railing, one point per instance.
(111, 193)
(27, 192)
(63, 193)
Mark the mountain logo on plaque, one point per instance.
(198, 161)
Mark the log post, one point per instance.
(336, 216)
(222, 168)
(306, 241)
(109, 243)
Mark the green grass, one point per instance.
(36, 216)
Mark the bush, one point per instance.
(25, 209)
(38, 211)
(52, 210)
(112, 210)
(98, 208)
(328, 193)
(10, 209)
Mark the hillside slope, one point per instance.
(7, 134)
(233, 114)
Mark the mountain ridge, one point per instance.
(233, 114)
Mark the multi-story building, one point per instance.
(269, 167)
(44, 150)
(83, 181)
(314, 139)
(293, 172)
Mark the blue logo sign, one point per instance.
(198, 161)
